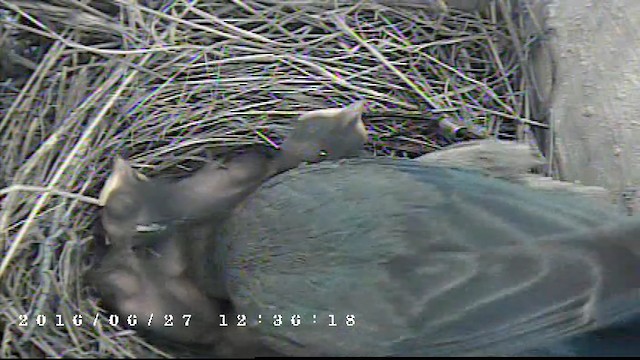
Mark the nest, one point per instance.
(174, 84)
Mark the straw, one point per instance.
(173, 84)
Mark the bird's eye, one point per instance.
(137, 248)
(323, 153)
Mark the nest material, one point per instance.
(173, 83)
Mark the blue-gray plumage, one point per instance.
(432, 261)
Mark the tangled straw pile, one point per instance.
(171, 83)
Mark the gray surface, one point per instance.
(588, 68)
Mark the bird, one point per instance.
(413, 260)
(153, 228)
(394, 257)
(320, 135)
(431, 261)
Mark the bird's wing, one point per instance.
(429, 261)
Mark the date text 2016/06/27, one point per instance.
(171, 320)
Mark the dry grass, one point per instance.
(172, 83)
